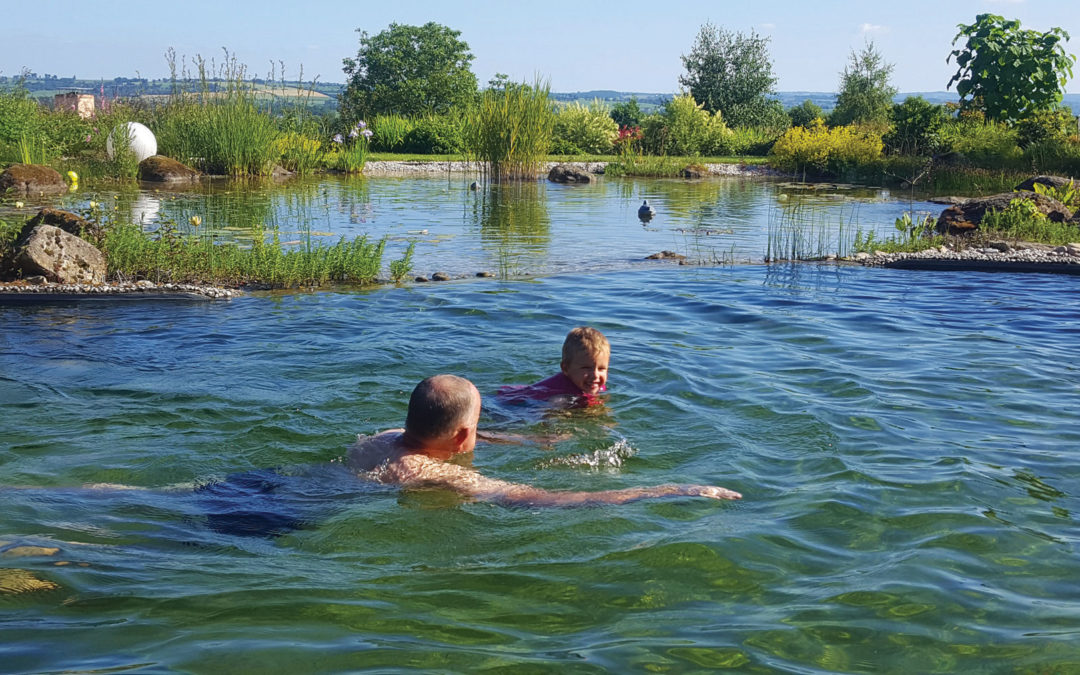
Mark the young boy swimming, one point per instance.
(582, 375)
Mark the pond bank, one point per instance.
(406, 168)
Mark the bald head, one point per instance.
(440, 405)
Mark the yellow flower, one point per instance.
(195, 221)
(73, 176)
(19, 205)
(93, 204)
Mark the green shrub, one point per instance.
(756, 141)
(982, 143)
(687, 124)
(683, 127)
(1053, 157)
(434, 135)
(916, 127)
(583, 130)
(1046, 126)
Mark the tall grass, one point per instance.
(222, 131)
(509, 130)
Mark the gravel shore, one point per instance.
(137, 289)
(999, 256)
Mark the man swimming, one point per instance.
(444, 411)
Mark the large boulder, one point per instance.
(1049, 181)
(69, 222)
(965, 217)
(162, 169)
(32, 180)
(60, 257)
(564, 173)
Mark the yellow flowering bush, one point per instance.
(298, 153)
(819, 148)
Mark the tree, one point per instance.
(1008, 72)
(627, 113)
(916, 127)
(731, 73)
(804, 114)
(408, 70)
(865, 96)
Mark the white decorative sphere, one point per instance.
(140, 139)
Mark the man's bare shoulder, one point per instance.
(369, 452)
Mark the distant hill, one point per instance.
(825, 99)
(325, 93)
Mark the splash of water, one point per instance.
(607, 458)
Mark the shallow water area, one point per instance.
(904, 442)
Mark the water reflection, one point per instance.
(512, 227)
(514, 224)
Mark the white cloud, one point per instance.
(868, 28)
(1006, 2)
(768, 26)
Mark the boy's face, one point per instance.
(587, 371)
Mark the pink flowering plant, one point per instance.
(629, 140)
(351, 149)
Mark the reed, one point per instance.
(220, 128)
(508, 130)
(801, 232)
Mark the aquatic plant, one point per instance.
(401, 267)
(508, 130)
(351, 149)
(169, 256)
(797, 231)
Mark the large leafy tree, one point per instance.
(865, 95)
(409, 70)
(1008, 72)
(731, 73)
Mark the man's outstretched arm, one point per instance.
(472, 483)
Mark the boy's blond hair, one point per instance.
(585, 340)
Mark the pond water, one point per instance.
(536, 228)
(905, 443)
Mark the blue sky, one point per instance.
(628, 46)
